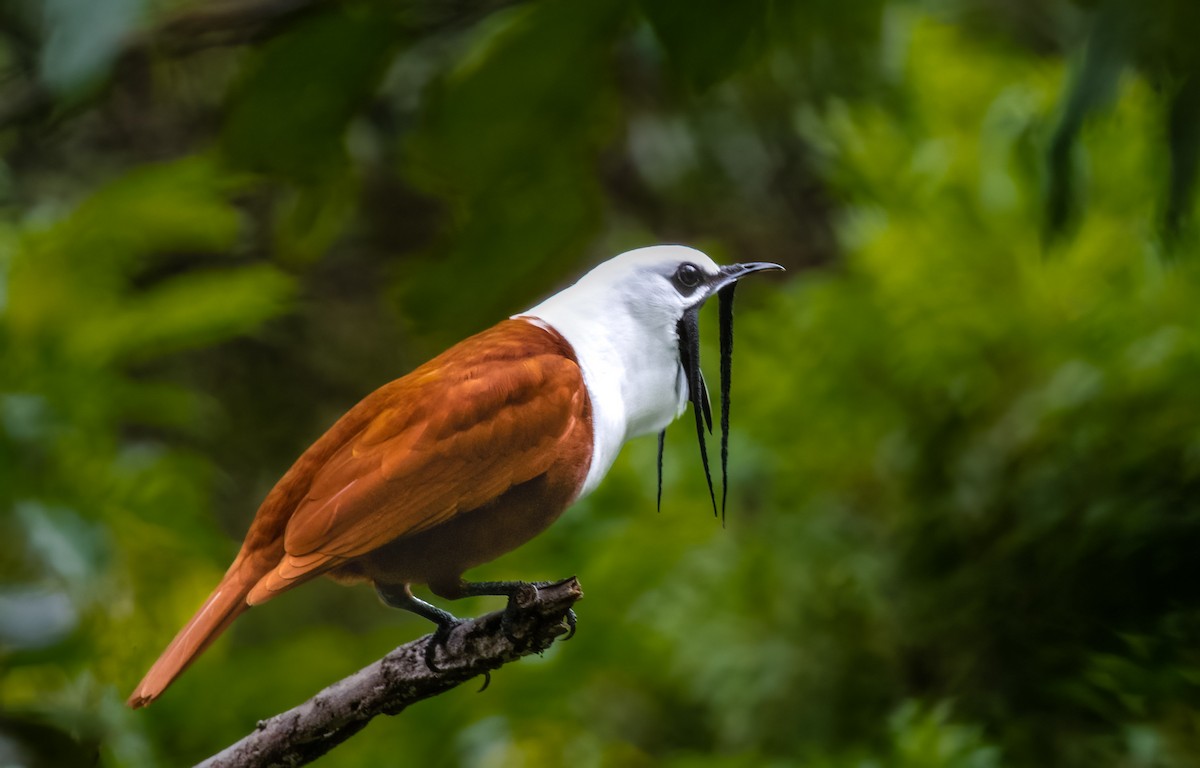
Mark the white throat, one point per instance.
(628, 351)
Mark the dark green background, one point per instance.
(964, 521)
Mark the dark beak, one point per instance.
(734, 272)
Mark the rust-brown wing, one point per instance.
(456, 433)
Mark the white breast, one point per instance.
(632, 373)
(621, 319)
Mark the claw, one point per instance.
(570, 618)
(487, 680)
(441, 636)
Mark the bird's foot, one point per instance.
(523, 594)
(439, 639)
(520, 594)
(401, 596)
(570, 618)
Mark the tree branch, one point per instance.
(401, 678)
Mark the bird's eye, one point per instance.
(687, 277)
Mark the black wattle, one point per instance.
(725, 314)
(689, 356)
(662, 436)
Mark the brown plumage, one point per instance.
(460, 461)
(480, 449)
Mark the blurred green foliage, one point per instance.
(966, 451)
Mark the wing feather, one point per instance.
(448, 443)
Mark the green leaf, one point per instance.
(77, 266)
(507, 112)
(185, 312)
(290, 112)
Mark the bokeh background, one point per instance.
(964, 525)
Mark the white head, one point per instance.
(623, 320)
(654, 285)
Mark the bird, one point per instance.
(481, 448)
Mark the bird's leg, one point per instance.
(509, 589)
(401, 596)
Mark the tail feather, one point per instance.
(225, 604)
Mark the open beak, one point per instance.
(734, 272)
